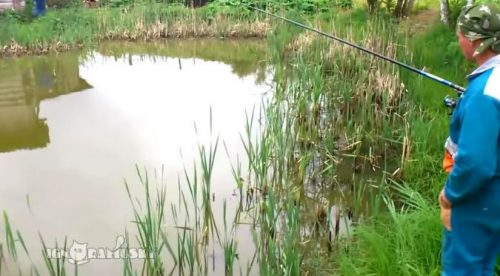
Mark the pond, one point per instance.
(74, 126)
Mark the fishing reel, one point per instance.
(450, 102)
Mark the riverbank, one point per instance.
(65, 29)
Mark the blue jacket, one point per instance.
(474, 140)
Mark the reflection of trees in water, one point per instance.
(246, 57)
(246, 68)
(24, 83)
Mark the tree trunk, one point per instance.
(470, 2)
(397, 9)
(407, 7)
(445, 12)
(196, 3)
(372, 6)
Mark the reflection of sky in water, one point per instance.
(142, 114)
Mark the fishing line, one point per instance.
(448, 100)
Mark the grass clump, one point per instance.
(403, 241)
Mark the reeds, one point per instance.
(64, 29)
(392, 244)
(149, 220)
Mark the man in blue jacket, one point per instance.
(39, 8)
(471, 241)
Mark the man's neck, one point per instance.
(484, 57)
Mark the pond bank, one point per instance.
(65, 29)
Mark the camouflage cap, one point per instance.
(481, 21)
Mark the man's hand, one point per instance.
(443, 201)
(445, 210)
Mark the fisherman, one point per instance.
(470, 199)
(39, 8)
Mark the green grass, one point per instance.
(430, 118)
(77, 27)
(401, 242)
(149, 221)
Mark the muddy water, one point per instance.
(74, 126)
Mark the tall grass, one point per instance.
(400, 242)
(198, 232)
(332, 103)
(429, 118)
(12, 263)
(149, 224)
(386, 112)
(323, 94)
(77, 27)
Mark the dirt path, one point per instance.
(421, 21)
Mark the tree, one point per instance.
(407, 6)
(372, 5)
(397, 10)
(196, 3)
(403, 8)
(445, 11)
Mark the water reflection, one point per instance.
(23, 85)
(245, 58)
(25, 82)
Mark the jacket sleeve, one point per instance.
(476, 158)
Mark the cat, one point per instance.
(78, 253)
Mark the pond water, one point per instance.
(73, 127)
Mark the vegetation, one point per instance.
(382, 114)
(77, 27)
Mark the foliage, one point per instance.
(307, 6)
(455, 9)
(76, 27)
(487, 1)
(401, 242)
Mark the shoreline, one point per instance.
(101, 25)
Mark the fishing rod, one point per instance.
(448, 100)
